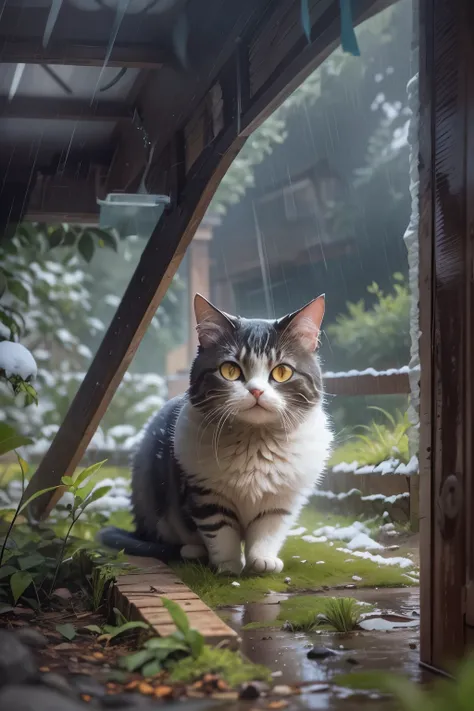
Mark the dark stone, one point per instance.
(412, 645)
(352, 660)
(253, 690)
(17, 665)
(36, 698)
(124, 701)
(320, 653)
(58, 683)
(88, 685)
(32, 638)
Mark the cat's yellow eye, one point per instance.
(230, 371)
(282, 373)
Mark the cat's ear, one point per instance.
(211, 323)
(305, 324)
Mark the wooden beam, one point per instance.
(160, 260)
(301, 60)
(134, 56)
(367, 385)
(38, 108)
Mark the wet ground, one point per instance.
(387, 650)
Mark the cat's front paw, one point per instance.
(227, 567)
(265, 565)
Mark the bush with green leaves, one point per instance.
(34, 559)
(375, 335)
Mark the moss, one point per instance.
(361, 681)
(231, 666)
(302, 612)
(217, 590)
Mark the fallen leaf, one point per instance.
(86, 698)
(277, 704)
(163, 691)
(68, 630)
(132, 685)
(145, 689)
(44, 669)
(98, 655)
(65, 646)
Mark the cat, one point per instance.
(233, 460)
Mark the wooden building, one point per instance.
(75, 126)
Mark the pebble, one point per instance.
(320, 653)
(287, 581)
(32, 638)
(235, 584)
(88, 685)
(253, 690)
(58, 683)
(282, 690)
(17, 665)
(412, 645)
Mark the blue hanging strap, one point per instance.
(305, 19)
(348, 37)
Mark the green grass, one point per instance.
(217, 590)
(230, 665)
(302, 612)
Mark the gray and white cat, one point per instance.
(233, 460)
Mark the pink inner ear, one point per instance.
(306, 325)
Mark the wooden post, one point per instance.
(159, 262)
(446, 348)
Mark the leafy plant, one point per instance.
(37, 558)
(377, 335)
(342, 613)
(159, 651)
(122, 626)
(379, 442)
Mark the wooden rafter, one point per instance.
(65, 109)
(88, 55)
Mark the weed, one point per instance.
(342, 613)
(185, 656)
(34, 558)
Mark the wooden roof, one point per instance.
(89, 96)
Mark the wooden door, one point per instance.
(446, 349)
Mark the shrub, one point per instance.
(377, 336)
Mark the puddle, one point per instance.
(390, 645)
(387, 623)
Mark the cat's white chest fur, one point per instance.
(254, 468)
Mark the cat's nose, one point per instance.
(256, 392)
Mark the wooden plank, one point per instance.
(160, 260)
(133, 56)
(37, 108)
(149, 606)
(350, 385)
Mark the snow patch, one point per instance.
(15, 359)
(362, 540)
(379, 559)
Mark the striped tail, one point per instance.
(132, 544)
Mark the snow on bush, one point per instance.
(15, 359)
